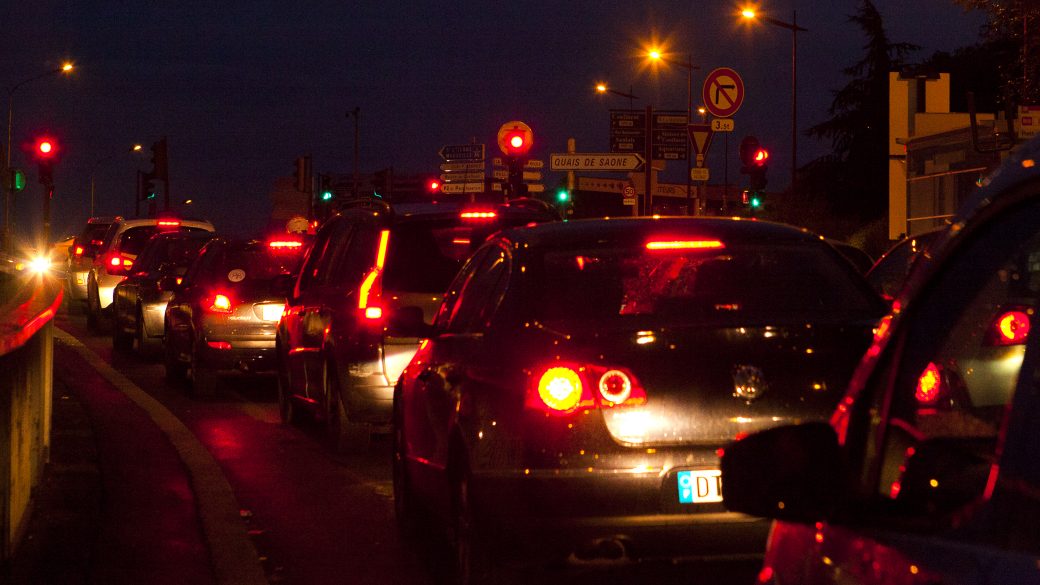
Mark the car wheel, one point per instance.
(93, 309)
(176, 370)
(473, 561)
(287, 408)
(406, 509)
(203, 378)
(147, 347)
(344, 435)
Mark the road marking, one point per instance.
(235, 558)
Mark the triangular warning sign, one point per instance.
(700, 137)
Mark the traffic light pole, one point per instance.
(648, 198)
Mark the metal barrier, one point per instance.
(28, 301)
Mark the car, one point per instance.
(888, 274)
(81, 256)
(115, 257)
(223, 316)
(928, 470)
(570, 399)
(139, 300)
(860, 259)
(373, 273)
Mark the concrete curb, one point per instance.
(235, 559)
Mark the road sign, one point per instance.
(535, 188)
(595, 161)
(723, 92)
(462, 177)
(500, 174)
(462, 152)
(699, 174)
(534, 164)
(669, 133)
(462, 166)
(700, 137)
(628, 131)
(722, 125)
(450, 188)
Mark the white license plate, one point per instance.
(699, 486)
(271, 312)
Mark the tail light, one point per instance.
(929, 385)
(168, 223)
(217, 303)
(371, 287)
(477, 215)
(564, 388)
(78, 251)
(285, 244)
(117, 264)
(684, 245)
(1010, 327)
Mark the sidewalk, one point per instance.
(117, 503)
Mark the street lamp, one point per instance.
(65, 68)
(93, 170)
(656, 55)
(751, 14)
(602, 88)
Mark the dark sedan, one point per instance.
(581, 378)
(140, 299)
(223, 317)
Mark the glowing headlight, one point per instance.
(39, 265)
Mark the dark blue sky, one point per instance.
(241, 88)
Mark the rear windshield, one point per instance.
(751, 284)
(255, 269)
(132, 241)
(92, 237)
(423, 256)
(173, 252)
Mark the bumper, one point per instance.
(252, 357)
(371, 400)
(78, 285)
(525, 519)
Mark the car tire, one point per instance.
(406, 508)
(203, 379)
(473, 562)
(93, 309)
(176, 370)
(147, 347)
(344, 435)
(288, 411)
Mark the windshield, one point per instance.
(174, 252)
(132, 241)
(754, 284)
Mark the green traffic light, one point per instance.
(326, 196)
(562, 195)
(756, 202)
(17, 180)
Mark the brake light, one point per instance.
(118, 264)
(114, 261)
(78, 251)
(1010, 327)
(219, 344)
(684, 245)
(564, 388)
(373, 313)
(285, 244)
(478, 215)
(168, 223)
(929, 385)
(218, 303)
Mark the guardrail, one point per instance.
(28, 301)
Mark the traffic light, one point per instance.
(515, 139)
(325, 187)
(563, 196)
(147, 186)
(754, 159)
(15, 180)
(45, 151)
(433, 185)
(302, 174)
(160, 160)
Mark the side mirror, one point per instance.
(409, 322)
(789, 473)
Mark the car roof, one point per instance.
(137, 222)
(588, 232)
(434, 210)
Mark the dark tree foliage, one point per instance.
(1014, 27)
(972, 69)
(855, 174)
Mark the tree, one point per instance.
(1008, 25)
(855, 173)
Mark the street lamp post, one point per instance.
(792, 26)
(93, 171)
(602, 88)
(65, 68)
(656, 55)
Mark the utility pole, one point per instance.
(356, 114)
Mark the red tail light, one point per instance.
(218, 303)
(219, 344)
(1010, 327)
(168, 223)
(684, 245)
(477, 215)
(929, 385)
(78, 251)
(285, 244)
(564, 388)
(117, 264)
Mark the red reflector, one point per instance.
(684, 245)
(277, 244)
(478, 214)
(929, 385)
(219, 344)
(169, 223)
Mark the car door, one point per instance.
(293, 341)
(946, 427)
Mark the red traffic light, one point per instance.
(433, 185)
(515, 138)
(761, 156)
(45, 148)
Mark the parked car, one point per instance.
(580, 377)
(222, 318)
(139, 300)
(889, 273)
(115, 257)
(81, 256)
(372, 274)
(928, 471)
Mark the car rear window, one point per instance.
(132, 241)
(424, 256)
(742, 284)
(178, 252)
(92, 237)
(255, 269)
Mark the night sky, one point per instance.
(240, 89)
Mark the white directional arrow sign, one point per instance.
(587, 161)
